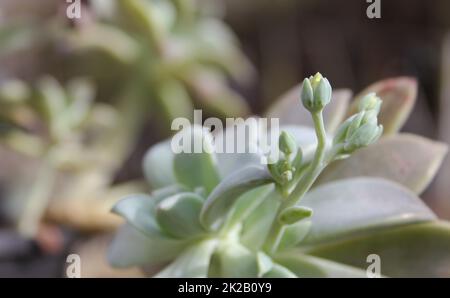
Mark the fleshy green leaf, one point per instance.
(361, 205)
(222, 199)
(407, 159)
(192, 263)
(417, 250)
(248, 202)
(196, 169)
(217, 45)
(106, 39)
(279, 271)
(290, 111)
(294, 234)
(398, 95)
(211, 91)
(257, 226)
(233, 259)
(307, 266)
(224, 138)
(158, 165)
(131, 247)
(174, 99)
(138, 210)
(178, 215)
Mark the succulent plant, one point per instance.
(166, 53)
(63, 133)
(143, 58)
(226, 215)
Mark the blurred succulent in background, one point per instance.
(74, 143)
(167, 55)
(144, 58)
(295, 217)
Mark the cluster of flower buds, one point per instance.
(361, 129)
(284, 169)
(316, 93)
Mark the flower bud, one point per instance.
(316, 93)
(361, 129)
(294, 214)
(370, 102)
(287, 143)
(363, 136)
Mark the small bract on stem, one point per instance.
(358, 131)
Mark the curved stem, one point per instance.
(305, 183)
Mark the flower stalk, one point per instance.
(358, 131)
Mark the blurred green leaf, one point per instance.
(107, 39)
(279, 271)
(178, 215)
(158, 165)
(131, 247)
(418, 250)
(192, 263)
(210, 90)
(308, 266)
(139, 211)
(174, 99)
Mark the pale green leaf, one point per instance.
(224, 196)
(196, 169)
(417, 250)
(361, 205)
(138, 210)
(131, 247)
(158, 165)
(406, 159)
(294, 234)
(307, 266)
(191, 263)
(231, 259)
(178, 215)
(257, 226)
(279, 271)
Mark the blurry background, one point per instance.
(285, 41)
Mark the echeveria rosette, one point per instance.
(254, 226)
(171, 54)
(60, 129)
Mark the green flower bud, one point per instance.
(294, 214)
(370, 102)
(307, 95)
(361, 129)
(363, 136)
(316, 93)
(287, 143)
(286, 176)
